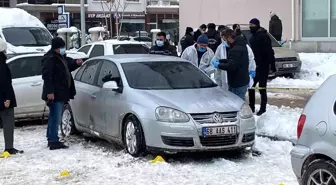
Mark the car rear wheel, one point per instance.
(134, 139)
(67, 126)
(320, 172)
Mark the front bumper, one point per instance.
(187, 137)
(299, 154)
(287, 67)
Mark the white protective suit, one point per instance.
(221, 75)
(190, 54)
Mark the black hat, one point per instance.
(57, 43)
(255, 21)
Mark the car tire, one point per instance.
(67, 125)
(134, 139)
(328, 168)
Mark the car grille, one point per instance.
(219, 140)
(248, 137)
(178, 141)
(285, 59)
(208, 117)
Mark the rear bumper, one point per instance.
(299, 154)
(282, 69)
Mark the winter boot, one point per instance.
(57, 145)
(260, 112)
(14, 151)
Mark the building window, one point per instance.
(133, 1)
(317, 20)
(4, 3)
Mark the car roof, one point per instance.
(114, 41)
(130, 58)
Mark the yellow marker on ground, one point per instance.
(65, 173)
(157, 159)
(281, 184)
(5, 155)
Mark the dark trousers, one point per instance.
(277, 37)
(54, 120)
(8, 122)
(261, 78)
(239, 91)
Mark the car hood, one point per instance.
(206, 100)
(27, 49)
(282, 52)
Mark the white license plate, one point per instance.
(288, 65)
(219, 131)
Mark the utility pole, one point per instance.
(82, 13)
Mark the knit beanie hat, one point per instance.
(255, 21)
(203, 39)
(57, 43)
(3, 45)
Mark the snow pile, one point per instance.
(16, 17)
(97, 29)
(316, 68)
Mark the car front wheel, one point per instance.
(133, 137)
(67, 126)
(320, 172)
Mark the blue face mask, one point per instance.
(159, 43)
(62, 51)
(225, 43)
(202, 50)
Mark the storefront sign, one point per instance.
(98, 15)
(116, 15)
(52, 26)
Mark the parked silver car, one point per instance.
(156, 103)
(314, 156)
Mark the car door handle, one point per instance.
(93, 96)
(36, 84)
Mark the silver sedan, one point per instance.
(156, 103)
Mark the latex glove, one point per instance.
(215, 63)
(253, 74)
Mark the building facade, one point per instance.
(309, 25)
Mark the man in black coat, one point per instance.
(7, 101)
(275, 26)
(188, 39)
(201, 30)
(264, 58)
(214, 37)
(236, 64)
(162, 46)
(58, 87)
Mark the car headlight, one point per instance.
(245, 112)
(166, 114)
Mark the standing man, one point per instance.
(162, 46)
(200, 31)
(236, 63)
(214, 37)
(265, 60)
(275, 26)
(7, 101)
(200, 54)
(58, 87)
(188, 39)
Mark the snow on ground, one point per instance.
(316, 67)
(101, 163)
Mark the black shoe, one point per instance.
(57, 145)
(256, 153)
(261, 112)
(252, 109)
(14, 151)
(49, 143)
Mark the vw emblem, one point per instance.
(217, 118)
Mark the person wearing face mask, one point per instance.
(200, 54)
(201, 30)
(265, 61)
(7, 101)
(188, 39)
(58, 87)
(162, 46)
(236, 64)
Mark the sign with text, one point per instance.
(116, 15)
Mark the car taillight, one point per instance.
(300, 125)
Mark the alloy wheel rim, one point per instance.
(321, 177)
(66, 123)
(131, 140)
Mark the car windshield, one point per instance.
(165, 75)
(247, 34)
(27, 36)
(130, 49)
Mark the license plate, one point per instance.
(288, 65)
(219, 131)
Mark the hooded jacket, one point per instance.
(275, 26)
(6, 88)
(214, 39)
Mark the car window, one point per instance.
(130, 49)
(124, 38)
(26, 67)
(108, 70)
(80, 72)
(97, 50)
(90, 71)
(143, 39)
(165, 75)
(27, 36)
(247, 35)
(85, 49)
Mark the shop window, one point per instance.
(333, 18)
(4, 3)
(152, 18)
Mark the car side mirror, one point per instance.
(111, 85)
